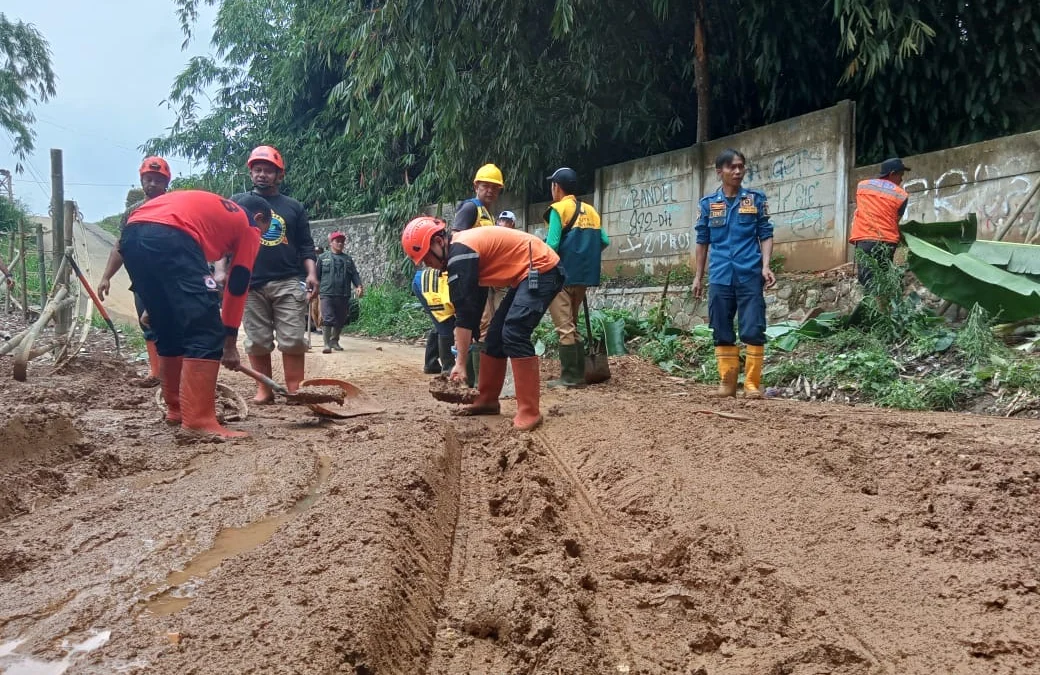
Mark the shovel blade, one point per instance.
(356, 402)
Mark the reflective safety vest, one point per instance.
(484, 218)
(581, 244)
(434, 286)
(878, 206)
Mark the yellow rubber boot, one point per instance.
(753, 371)
(728, 357)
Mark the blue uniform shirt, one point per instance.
(733, 229)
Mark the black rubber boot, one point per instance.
(335, 339)
(473, 365)
(326, 336)
(432, 364)
(444, 345)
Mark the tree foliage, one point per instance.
(26, 79)
(394, 104)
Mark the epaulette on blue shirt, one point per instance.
(733, 229)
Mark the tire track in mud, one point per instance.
(520, 596)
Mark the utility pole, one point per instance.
(57, 207)
(6, 186)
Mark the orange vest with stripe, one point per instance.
(878, 203)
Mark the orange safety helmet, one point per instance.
(155, 165)
(415, 240)
(266, 153)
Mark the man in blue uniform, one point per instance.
(733, 226)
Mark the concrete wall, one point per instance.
(650, 208)
(990, 179)
(362, 244)
(793, 297)
(802, 164)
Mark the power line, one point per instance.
(89, 184)
(32, 169)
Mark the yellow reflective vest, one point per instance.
(434, 286)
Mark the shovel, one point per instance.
(307, 395)
(597, 368)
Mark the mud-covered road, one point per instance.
(635, 532)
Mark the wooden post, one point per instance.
(11, 262)
(43, 264)
(24, 277)
(57, 204)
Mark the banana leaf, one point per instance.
(964, 279)
(1015, 258)
(955, 236)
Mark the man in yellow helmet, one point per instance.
(476, 212)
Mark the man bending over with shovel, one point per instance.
(493, 257)
(165, 246)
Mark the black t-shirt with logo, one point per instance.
(285, 244)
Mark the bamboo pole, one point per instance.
(25, 279)
(21, 360)
(63, 321)
(1021, 207)
(13, 343)
(11, 262)
(43, 265)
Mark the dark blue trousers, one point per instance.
(746, 302)
(169, 271)
(509, 335)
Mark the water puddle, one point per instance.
(232, 541)
(17, 664)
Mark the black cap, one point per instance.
(564, 176)
(252, 204)
(893, 165)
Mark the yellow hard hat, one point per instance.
(489, 173)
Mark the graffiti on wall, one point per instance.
(651, 219)
(800, 185)
(991, 191)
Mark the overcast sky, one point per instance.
(115, 61)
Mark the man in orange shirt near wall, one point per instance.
(880, 204)
(493, 257)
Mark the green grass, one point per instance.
(390, 311)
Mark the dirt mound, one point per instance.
(32, 443)
(451, 391)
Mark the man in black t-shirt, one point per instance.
(284, 278)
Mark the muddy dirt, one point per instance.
(637, 531)
(451, 391)
(314, 394)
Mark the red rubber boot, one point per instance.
(170, 376)
(199, 398)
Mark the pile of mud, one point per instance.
(33, 442)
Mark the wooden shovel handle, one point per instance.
(264, 380)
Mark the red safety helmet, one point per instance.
(336, 235)
(155, 165)
(415, 240)
(266, 153)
